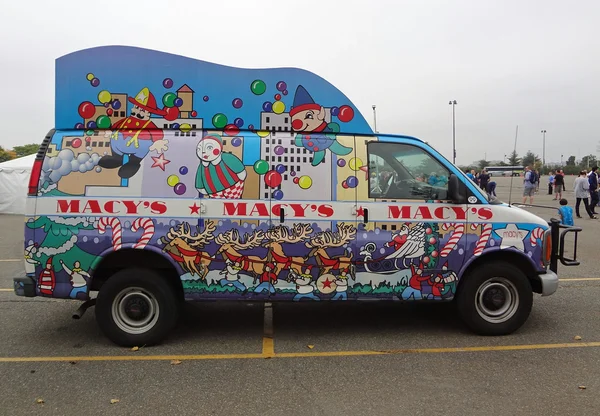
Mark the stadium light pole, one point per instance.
(375, 119)
(544, 148)
(453, 104)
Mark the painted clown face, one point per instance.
(308, 120)
(140, 113)
(208, 149)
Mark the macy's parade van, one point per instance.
(168, 179)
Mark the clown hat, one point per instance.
(271, 265)
(303, 101)
(49, 261)
(145, 99)
(211, 136)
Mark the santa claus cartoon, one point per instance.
(47, 280)
(136, 135)
(219, 175)
(309, 119)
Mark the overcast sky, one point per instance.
(508, 62)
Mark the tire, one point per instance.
(494, 299)
(136, 307)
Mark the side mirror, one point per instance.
(457, 190)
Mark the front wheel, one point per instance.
(136, 307)
(495, 299)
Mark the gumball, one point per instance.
(172, 113)
(175, 126)
(280, 168)
(341, 163)
(104, 96)
(263, 133)
(183, 170)
(355, 164)
(237, 103)
(279, 150)
(251, 126)
(267, 106)
(185, 127)
(109, 111)
(278, 107)
(88, 139)
(194, 113)
(261, 167)
(116, 104)
(79, 126)
(305, 182)
(285, 92)
(95, 82)
(346, 113)
(91, 125)
(169, 99)
(205, 98)
(277, 194)
(352, 181)
(90, 76)
(179, 188)
(167, 82)
(277, 97)
(178, 102)
(238, 122)
(281, 86)
(106, 105)
(236, 142)
(89, 132)
(258, 87)
(273, 179)
(296, 180)
(293, 173)
(103, 122)
(428, 230)
(76, 143)
(232, 130)
(335, 111)
(434, 253)
(86, 109)
(172, 180)
(426, 260)
(219, 120)
(432, 240)
(345, 185)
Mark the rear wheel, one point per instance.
(495, 299)
(136, 307)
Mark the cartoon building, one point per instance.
(187, 95)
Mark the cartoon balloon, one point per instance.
(79, 126)
(267, 106)
(352, 181)
(90, 76)
(335, 111)
(88, 139)
(183, 170)
(285, 92)
(109, 111)
(305, 182)
(341, 163)
(355, 164)
(104, 96)
(167, 82)
(172, 180)
(280, 168)
(345, 185)
(171, 113)
(169, 99)
(279, 150)
(278, 107)
(293, 173)
(116, 104)
(87, 109)
(278, 194)
(237, 103)
(95, 82)
(258, 87)
(273, 179)
(194, 113)
(281, 86)
(205, 98)
(175, 126)
(103, 122)
(89, 132)
(296, 180)
(239, 122)
(179, 188)
(236, 142)
(346, 113)
(219, 120)
(178, 102)
(231, 130)
(277, 97)
(261, 166)
(251, 126)
(91, 124)
(263, 133)
(76, 143)
(185, 127)
(106, 105)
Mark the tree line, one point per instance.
(18, 151)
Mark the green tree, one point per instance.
(530, 159)
(483, 164)
(26, 149)
(571, 161)
(588, 162)
(514, 159)
(4, 155)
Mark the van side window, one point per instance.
(403, 171)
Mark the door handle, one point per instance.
(281, 215)
(366, 215)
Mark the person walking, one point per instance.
(550, 182)
(581, 188)
(559, 184)
(593, 181)
(529, 183)
(484, 179)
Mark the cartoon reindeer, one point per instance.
(282, 234)
(230, 244)
(184, 247)
(328, 239)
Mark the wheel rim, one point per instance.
(497, 300)
(135, 310)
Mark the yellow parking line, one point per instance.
(579, 279)
(302, 354)
(6, 290)
(268, 349)
(1, 260)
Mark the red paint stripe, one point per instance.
(209, 181)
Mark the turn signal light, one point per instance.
(547, 247)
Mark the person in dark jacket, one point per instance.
(593, 181)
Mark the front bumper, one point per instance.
(24, 286)
(549, 282)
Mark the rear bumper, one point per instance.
(549, 282)
(24, 286)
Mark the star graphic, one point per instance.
(141, 97)
(512, 236)
(194, 209)
(360, 212)
(327, 283)
(160, 161)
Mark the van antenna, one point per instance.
(512, 171)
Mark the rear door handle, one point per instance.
(366, 216)
(281, 215)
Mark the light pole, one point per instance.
(561, 158)
(453, 103)
(544, 148)
(375, 119)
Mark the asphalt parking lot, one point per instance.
(307, 359)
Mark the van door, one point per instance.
(414, 242)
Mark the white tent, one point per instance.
(14, 180)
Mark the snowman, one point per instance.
(219, 175)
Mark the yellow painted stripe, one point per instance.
(579, 279)
(268, 347)
(1, 260)
(6, 290)
(135, 357)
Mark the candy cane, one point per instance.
(148, 225)
(486, 232)
(459, 230)
(115, 224)
(535, 234)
